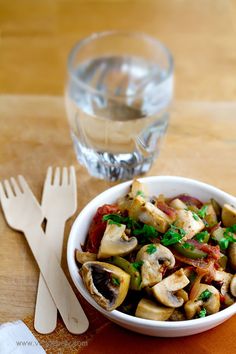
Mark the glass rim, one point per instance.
(96, 35)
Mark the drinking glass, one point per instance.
(118, 96)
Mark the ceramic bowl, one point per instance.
(169, 186)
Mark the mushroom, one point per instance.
(177, 315)
(192, 308)
(212, 304)
(137, 188)
(228, 215)
(156, 258)
(178, 204)
(182, 293)
(210, 217)
(115, 242)
(224, 278)
(233, 285)
(190, 222)
(232, 255)
(126, 203)
(83, 257)
(106, 283)
(165, 291)
(152, 311)
(151, 215)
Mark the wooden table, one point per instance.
(201, 140)
(35, 38)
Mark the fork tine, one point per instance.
(8, 189)
(24, 184)
(64, 176)
(72, 180)
(57, 176)
(15, 186)
(48, 179)
(2, 193)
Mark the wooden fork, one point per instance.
(59, 203)
(23, 213)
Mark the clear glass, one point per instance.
(118, 96)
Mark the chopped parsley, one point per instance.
(202, 212)
(140, 193)
(231, 229)
(188, 246)
(201, 236)
(151, 249)
(119, 219)
(229, 236)
(112, 222)
(115, 281)
(195, 216)
(173, 235)
(205, 295)
(202, 313)
(224, 243)
(147, 232)
(137, 265)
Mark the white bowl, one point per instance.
(169, 186)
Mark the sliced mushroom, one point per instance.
(212, 304)
(152, 311)
(224, 279)
(178, 204)
(154, 263)
(177, 315)
(136, 206)
(228, 215)
(115, 242)
(182, 293)
(232, 255)
(138, 188)
(190, 223)
(210, 217)
(83, 257)
(151, 215)
(106, 283)
(165, 291)
(192, 308)
(233, 286)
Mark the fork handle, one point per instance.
(58, 285)
(45, 317)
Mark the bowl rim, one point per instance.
(129, 319)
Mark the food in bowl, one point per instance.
(161, 258)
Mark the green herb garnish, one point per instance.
(115, 281)
(137, 265)
(231, 229)
(229, 236)
(202, 313)
(173, 235)
(224, 243)
(202, 212)
(119, 219)
(112, 222)
(114, 217)
(151, 249)
(140, 193)
(205, 295)
(201, 236)
(188, 246)
(147, 232)
(195, 216)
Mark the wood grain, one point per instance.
(201, 143)
(35, 38)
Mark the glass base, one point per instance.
(112, 167)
